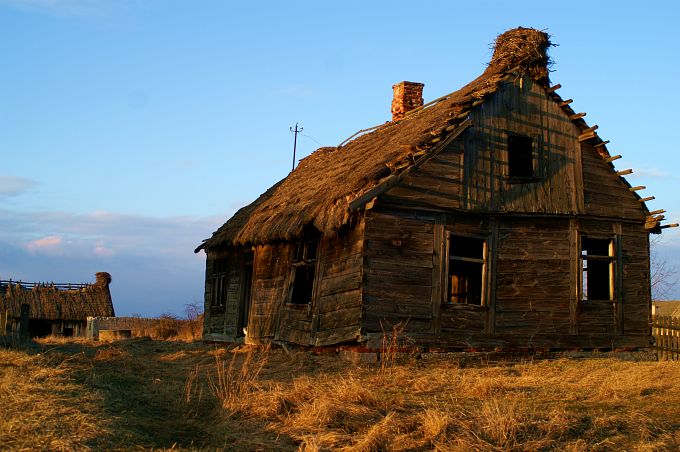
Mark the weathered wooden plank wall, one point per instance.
(223, 321)
(335, 311)
(338, 305)
(397, 280)
(522, 108)
(533, 277)
(271, 270)
(605, 194)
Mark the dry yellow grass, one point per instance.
(158, 394)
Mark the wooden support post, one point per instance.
(648, 198)
(624, 172)
(566, 102)
(577, 116)
(612, 158)
(552, 89)
(636, 188)
(23, 321)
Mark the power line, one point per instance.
(305, 135)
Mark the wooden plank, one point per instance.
(340, 300)
(438, 273)
(341, 266)
(339, 319)
(341, 283)
(377, 288)
(336, 336)
(574, 275)
(396, 275)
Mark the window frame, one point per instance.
(303, 261)
(484, 261)
(535, 159)
(219, 284)
(613, 269)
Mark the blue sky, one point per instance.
(129, 131)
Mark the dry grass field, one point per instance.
(141, 393)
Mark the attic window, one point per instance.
(466, 270)
(303, 270)
(597, 269)
(520, 157)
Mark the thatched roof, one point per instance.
(56, 302)
(321, 190)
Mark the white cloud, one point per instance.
(15, 186)
(104, 234)
(650, 173)
(48, 245)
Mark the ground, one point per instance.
(143, 393)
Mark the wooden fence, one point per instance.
(666, 332)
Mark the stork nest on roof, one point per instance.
(525, 49)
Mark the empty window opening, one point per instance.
(467, 265)
(597, 269)
(520, 156)
(304, 269)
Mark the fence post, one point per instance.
(23, 322)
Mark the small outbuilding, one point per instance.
(490, 218)
(42, 309)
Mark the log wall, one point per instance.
(271, 271)
(533, 276)
(398, 275)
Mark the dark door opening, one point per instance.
(244, 308)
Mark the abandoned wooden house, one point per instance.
(491, 217)
(41, 309)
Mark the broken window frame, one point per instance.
(534, 157)
(305, 256)
(610, 259)
(483, 261)
(220, 284)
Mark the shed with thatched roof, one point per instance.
(41, 309)
(490, 217)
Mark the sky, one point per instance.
(131, 130)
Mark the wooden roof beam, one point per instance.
(564, 103)
(657, 212)
(587, 136)
(612, 158)
(552, 89)
(624, 172)
(599, 145)
(577, 116)
(648, 198)
(672, 225)
(639, 187)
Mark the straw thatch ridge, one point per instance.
(50, 303)
(319, 191)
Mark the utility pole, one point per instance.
(295, 131)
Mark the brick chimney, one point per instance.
(407, 96)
